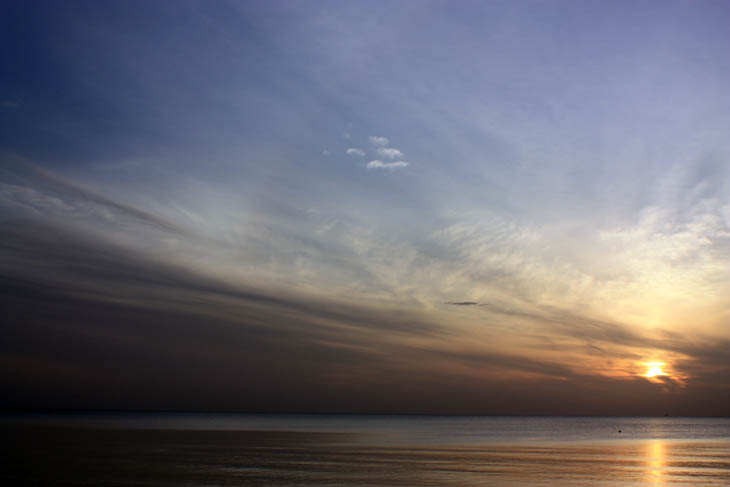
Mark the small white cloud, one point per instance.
(325, 152)
(354, 151)
(378, 140)
(386, 165)
(390, 152)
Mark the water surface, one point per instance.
(292, 450)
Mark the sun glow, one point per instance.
(663, 373)
(654, 369)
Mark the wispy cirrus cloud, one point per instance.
(354, 151)
(63, 252)
(378, 140)
(390, 152)
(376, 164)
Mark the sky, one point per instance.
(499, 207)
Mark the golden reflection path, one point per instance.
(656, 457)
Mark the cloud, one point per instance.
(40, 192)
(106, 310)
(378, 140)
(354, 151)
(97, 315)
(386, 165)
(325, 152)
(390, 152)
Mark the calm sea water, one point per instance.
(294, 450)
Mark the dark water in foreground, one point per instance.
(262, 450)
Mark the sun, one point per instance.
(662, 373)
(654, 369)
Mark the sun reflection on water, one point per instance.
(655, 464)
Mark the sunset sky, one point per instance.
(499, 207)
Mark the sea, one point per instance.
(203, 449)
